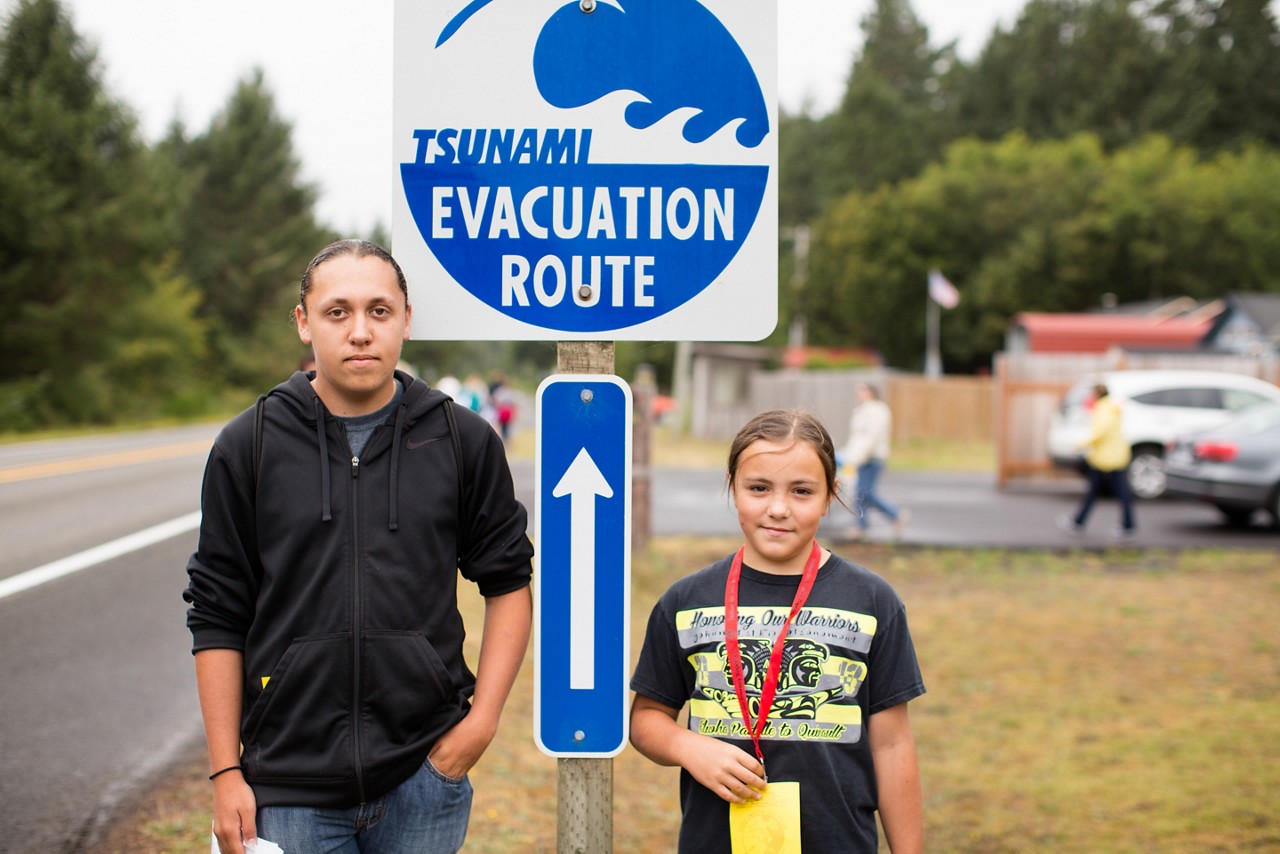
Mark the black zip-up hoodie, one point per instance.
(337, 578)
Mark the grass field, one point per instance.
(1078, 702)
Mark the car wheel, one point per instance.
(1146, 472)
(1236, 517)
(1273, 506)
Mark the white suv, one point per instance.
(1157, 406)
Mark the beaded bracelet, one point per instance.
(225, 770)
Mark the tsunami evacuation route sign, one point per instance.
(570, 175)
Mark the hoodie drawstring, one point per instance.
(393, 499)
(326, 499)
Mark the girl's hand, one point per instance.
(728, 771)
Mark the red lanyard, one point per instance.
(770, 686)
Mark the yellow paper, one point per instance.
(770, 825)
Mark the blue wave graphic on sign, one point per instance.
(673, 53)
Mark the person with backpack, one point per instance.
(337, 516)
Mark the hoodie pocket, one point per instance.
(405, 688)
(300, 725)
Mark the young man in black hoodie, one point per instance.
(338, 513)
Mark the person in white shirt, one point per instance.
(867, 453)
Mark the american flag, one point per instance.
(942, 291)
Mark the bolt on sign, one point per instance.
(590, 170)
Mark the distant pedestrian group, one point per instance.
(495, 400)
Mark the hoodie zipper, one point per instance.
(356, 630)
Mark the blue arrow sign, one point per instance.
(582, 568)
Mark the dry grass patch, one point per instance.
(674, 449)
(668, 448)
(1097, 703)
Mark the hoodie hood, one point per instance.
(415, 402)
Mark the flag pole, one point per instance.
(932, 355)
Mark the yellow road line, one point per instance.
(104, 461)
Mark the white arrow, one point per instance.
(582, 482)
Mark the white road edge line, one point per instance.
(98, 554)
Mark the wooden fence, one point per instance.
(950, 407)
(956, 408)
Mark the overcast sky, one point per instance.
(328, 63)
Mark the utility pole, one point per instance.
(799, 235)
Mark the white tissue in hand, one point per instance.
(253, 846)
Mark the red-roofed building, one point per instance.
(809, 357)
(1038, 332)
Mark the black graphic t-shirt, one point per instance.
(847, 655)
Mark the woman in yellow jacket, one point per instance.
(1107, 455)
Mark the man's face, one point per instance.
(356, 320)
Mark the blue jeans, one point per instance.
(1118, 481)
(864, 494)
(425, 814)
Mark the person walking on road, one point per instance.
(1107, 455)
(867, 453)
(337, 514)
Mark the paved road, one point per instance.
(967, 510)
(98, 687)
(98, 684)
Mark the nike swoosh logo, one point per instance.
(411, 445)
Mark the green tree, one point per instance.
(79, 230)
(159, 346)
(1203, 72)
(1019, 226)
(247, 232)
(1209, 225)
(893, 117)
(1247, 257)
(1220, 72)
(995, 218)
(1067, 66)
(804, 167)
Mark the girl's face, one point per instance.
(780, 491)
